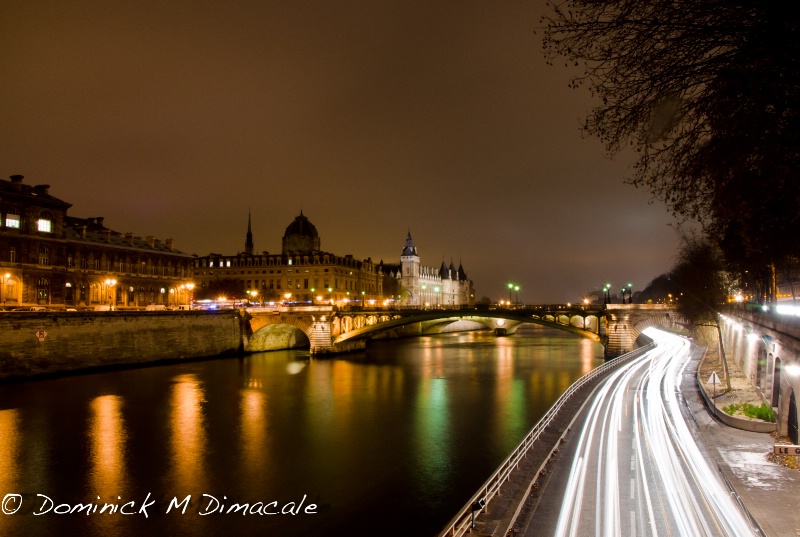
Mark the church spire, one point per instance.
(248, 243)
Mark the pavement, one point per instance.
(769, 492)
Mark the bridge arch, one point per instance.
(501, 321)
(271, 333)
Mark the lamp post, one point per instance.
(422, 297)
(330, 292)
(510, 287)
(313, 290)
(630, 293)
(516, 288)
(438, 296)
(362, 299)
(109, 284)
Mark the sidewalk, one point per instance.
(769, 491)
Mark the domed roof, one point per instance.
(301, 226)
(301, 237)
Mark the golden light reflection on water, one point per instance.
(254, 431)
(107, 445)
(9, 448)
(187, 427)
(588, 355)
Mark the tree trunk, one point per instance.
(722, 357)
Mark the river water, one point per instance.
(389, 441)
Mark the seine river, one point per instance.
(389, 441)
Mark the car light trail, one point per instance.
(636, 435)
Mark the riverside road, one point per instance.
(642, 457)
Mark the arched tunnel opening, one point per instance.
(278, 337)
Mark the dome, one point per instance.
(301, 237)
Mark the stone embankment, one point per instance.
(46, 343)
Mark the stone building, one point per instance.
(301, 273)
(48, 258)
(423, 286)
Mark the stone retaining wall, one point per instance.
(40, 343)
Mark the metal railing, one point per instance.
(462, 522)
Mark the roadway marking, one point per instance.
(633, 524)
(633, 488)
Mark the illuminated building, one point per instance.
(428, 286)
(48, 258)
(301, 273)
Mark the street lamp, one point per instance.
(330, 292)
(438, 296)
(516, 288)
(362, 299)
(510, 287)
(109, 284)
(630, 293)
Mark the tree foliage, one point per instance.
(708, 94)
(700, 281)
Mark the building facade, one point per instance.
(301, 273)
(424, 286)
(48, 258)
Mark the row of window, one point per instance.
(95, 264)
(44, 223)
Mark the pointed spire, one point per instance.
(248, 242)
(410, 249)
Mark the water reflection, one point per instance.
(407, 427)
(188, 437)
(107, 445)
(255, 455)
(9, 449)
(432, 434)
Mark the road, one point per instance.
(636, 469)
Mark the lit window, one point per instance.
(12, 218)
(44, 225)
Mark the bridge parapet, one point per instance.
(329, 329)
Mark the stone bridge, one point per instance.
(330, 330)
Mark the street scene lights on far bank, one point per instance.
(513, 287)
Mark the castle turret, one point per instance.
(409, 266)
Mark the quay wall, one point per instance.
(42, 343)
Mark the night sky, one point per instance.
(373, 117)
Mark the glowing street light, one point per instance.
(109, 284)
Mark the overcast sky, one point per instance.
(173, 118)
